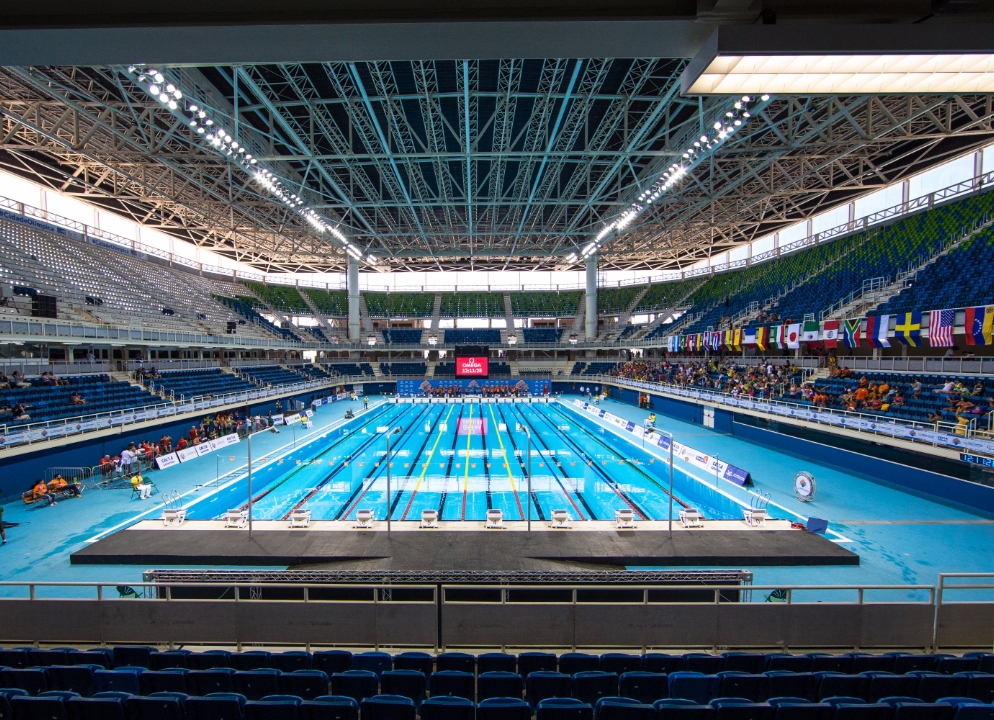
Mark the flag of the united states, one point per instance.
(940, 328)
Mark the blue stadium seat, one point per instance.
(623, 708)
(529, 662)
(124, 679)
(542, 684)
(134, 655)
(670, 709)
(39, 708)
(456, 661)
(291, 661)
(332, 661)
(788, 663)
(974, 712)
(694, 686)
(153, 681)
(216, 706)
(923, 711)
(564, 709)
(949, 664)
(735, 684)
(906, 662)
(256, 684)
(661, 663)
(79, 678)
(503, 709)
(835, 685)
(387, 707)
(591, 686)
(803, 711)
(893, 700)
(405, 683)
(356, 684)
(94, 656)
(703, 663)
(32, 680)
(742, 710)
(453, 683)
(887, 685)
(573, 663)
(45, 658)
(782, 683)
(330, 707)
(161, 706)
(500, 662)
(210, 660)
(16, 658)
(643, 686)
(862, 711)
(448, 708)
(822, 662)
(305, 684)
(88, 708)
(864, 662)
(619, 663)
(932, 686)
(499, 685)
(419, 661)
(205, 682)
(981, 686)
(752, 663)
(273, 707)
(251, 660)
(377, 662)
(169, 659)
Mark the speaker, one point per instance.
(44, 306)
(232, 327)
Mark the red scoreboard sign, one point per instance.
(472, 366)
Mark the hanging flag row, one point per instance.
(873, 331)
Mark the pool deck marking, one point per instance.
(507, 463)
(277, 455)
(469, 447)
(914, 522)
(665, 459)
(427, 463)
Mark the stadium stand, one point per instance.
(468, 337)
(472, 304)
(285, 298)
(617, 299)
(329, 302)
(399, 304)
(599, 368)
(545, 303)
(187, 383)
(403, 368)
(410, 336)
(339, 369)
(54, 402)
(271, 375)
(666, 294)
(542, 335)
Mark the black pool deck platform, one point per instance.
(488, 550)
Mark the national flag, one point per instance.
(978, 325)
(761, 338)
(716, 341)
(700, 341)
(683, 343)
(726, 339)
(908, 330)
(793, 333)
(830, 333)
(671, 342)
(776, 337)
(749, 337)
(809, 333)
(876, 330)
(737, 339)
(851, 332)
(940, 328)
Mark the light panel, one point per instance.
(793, 74)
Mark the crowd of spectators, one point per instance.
(762, 380)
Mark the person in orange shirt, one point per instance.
(41, 493)
(861, 394)
(60, 484)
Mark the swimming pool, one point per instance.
(463, 459)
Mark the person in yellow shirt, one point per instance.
(144, 489)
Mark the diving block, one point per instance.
(691, 518)
(755, 517)
(235, 519)
(429, 519)
(364, 519)
(300, 518)
(560, 520)
(624, 519)
(173, 516)
(495, 519)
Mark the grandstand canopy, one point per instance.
(458, 136)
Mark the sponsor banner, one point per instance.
(203, 448)
(341, 396)
(187, 454)
(224, 441)
(40, 224)
(291, 419)
(277, 419)
(309, 413)
(165, 461)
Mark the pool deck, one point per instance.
(471, 547)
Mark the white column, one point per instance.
(590, 318)
(353, 288)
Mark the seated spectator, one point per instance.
(60, 485)
(144, 489)
(898, 400)
(76, 399)
(935, 416)
(20, 413)
(978, 389)
(4, 382)
(40, 492)
(946, 389)
(166, 443)
(19, 381)
(916, 390)
(846, 372)
(182, 444)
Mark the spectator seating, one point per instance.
(44, 403)
(317, 333)
(285, 298)
(617, 299)
(411, 336)
(313, 372)
(445, 369)
(272, 375)
(542, 335)
(399, 304)
(578, 368)
(472, 304)
(599, 368)
(403, 368)
(545, 303)
(350, 369)
(187, 383)
(329, 302)
(468, 337)
(245, 306)
(666, 295)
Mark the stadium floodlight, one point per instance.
(843, 60)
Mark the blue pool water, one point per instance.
(462, 460)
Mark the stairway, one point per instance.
(619, 327)
(284, 320)
(322, 321)
(509, 314)
(436, 315)
(514, 368)
(367, 324)
(377, 372)
(580, 316)
(430, 368)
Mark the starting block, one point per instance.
(429, 519)
(235, 519)
(364, 519)
(300, 518)
(495, 519)
(173, 517)
(624, 519)
(560, 520)
(691, 518)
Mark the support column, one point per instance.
(352, 283)
(590, 317)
